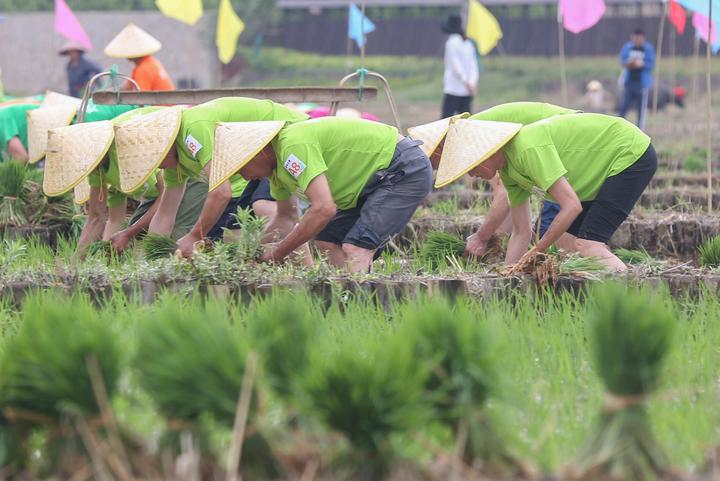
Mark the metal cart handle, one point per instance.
(386, 87)
(91, 84)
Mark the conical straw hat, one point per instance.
(73, 152)
(132, 42)
(142, 144)
(433, 133)
(470, 143)
(40, 121)
(82, 192)
(53, 98)
(236, 144)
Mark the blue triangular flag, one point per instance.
(358, 25)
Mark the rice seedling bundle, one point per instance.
(45, 370)
(249, 235)
(190, 362)
(710, 252)
(158, 246)
(439, 247)
(13, 193)
(631, 333)
(633, 256)
(367, 395)
(463, 374)
(579, 265)
(99, 248)
(281, 329)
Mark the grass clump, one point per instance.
(440, 248)
(282, 329)
(368, 394)
(631, 334)
(45, 374)
(158, 246)
(710, 252)
(463, 375)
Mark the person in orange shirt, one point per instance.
(138, 46)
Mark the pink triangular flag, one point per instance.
(67, 25)
(700, 22)
(581, 15)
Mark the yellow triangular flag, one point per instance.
(186, 11)
(483, 27)
(229, 28)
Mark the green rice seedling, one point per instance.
(368, 392)
(282, 328)
(99, 248)
(576, 264)
(439, 247)
(247, 238)
(157, 246)
(11, 252)
(191, 361)
(463, 375)
(45, 373)
(634, 256)
(631, 333)
(710, 252)
(13, 176)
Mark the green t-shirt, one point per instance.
(347, 151)
(108, 172)
(585, 148)
(13, 123)
(96, 113)
(521, 112)
(197, 134)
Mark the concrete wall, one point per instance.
(29, 45)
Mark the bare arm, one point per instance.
(214, 206)
(570, 208)
(322, 210)
(96, 218)
(521, 234)
(16, 150)
(164, 219)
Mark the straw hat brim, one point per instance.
(132, 42)
(142, 144)
(236, 144)
(433, 133)
(81, 194)
(40, 122)
(53, 98)
(73, 152)
(469, 143)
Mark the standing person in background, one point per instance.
(638, 59)
(138, 46)
(79, 69)
(461, 69)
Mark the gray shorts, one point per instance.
(387, 202)
(190, 207)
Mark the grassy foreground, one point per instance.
(548, 396)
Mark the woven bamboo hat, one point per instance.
(470, 143)
(73, 152)
(53, 98)
(42, 120)
(132, 42)
(82, 192)
(432, 134)
(142, 144)
(236, 144)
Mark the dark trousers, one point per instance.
(452, 105)
(635, 96)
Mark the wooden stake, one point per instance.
(696, 71)
(708, 82)
(241, 418)
(563, 72)
(673, 58)
(661, 35)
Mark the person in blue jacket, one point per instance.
(638, 59)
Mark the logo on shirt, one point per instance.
(295, 166)
(193, 145)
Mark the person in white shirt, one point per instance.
(461, 69)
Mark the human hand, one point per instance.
(186, 245)
(271, 256)
(475, 246)
(120, 240)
